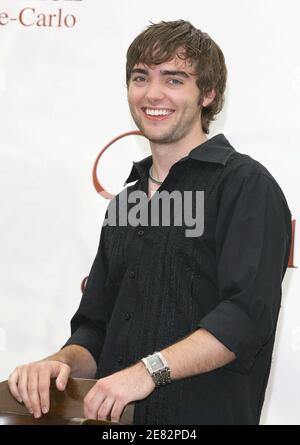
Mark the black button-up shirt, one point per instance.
(150, 286)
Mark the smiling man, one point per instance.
(182, 326)
(165, 102)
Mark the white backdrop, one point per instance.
(63, 96)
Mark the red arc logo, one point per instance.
(98, 186)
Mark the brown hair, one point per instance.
(159, 43)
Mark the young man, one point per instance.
(203, 307)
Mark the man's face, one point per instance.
(164, 100)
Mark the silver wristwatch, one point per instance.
(158, 368)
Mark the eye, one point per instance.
(175, 82)
(138, 79)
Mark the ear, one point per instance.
(208, 98)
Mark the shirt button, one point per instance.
(127, 316)
(120, 359)
(141, 232)
(132, 274)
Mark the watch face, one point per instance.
(155, 363)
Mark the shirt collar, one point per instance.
(216, 150)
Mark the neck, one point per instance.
(166, 155)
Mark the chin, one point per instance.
(156, 137)
(160, 140)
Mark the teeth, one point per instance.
(161, 112)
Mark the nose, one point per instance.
(154, 93)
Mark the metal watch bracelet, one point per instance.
(162, 376)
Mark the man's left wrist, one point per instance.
(157, 367)
(145, 373)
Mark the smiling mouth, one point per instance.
(157, 113)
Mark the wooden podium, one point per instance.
(66, 407)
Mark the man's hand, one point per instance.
(111, 394)
(30, 383)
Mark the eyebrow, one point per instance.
(162, 72)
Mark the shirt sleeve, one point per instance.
(253, 237)
(88, 325)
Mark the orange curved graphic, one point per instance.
(291, 258)
(98, 186)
